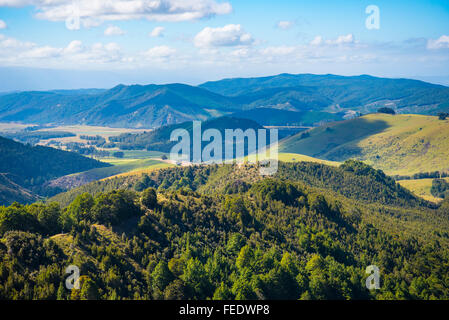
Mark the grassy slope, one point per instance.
(401, 144)
(296, 157)
(101, 173)
(126, 168)
(144, 169)
(421, 188)
(10, 192)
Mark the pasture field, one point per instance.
(397, 144)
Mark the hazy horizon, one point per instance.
(30, 79)
(77, 45)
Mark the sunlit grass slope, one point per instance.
(399, 144)
(421, 188)
(126, 167)
(295, 157)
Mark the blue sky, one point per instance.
(156, 41)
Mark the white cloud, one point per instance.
(440, 43)
(42, 53)
(285, 25)
(318, 40)
(159, 52)
(2, 24)
(113, 31)
(16, 52)
(349, 38)
(278, 51)
(341, 40)
(240, 53)
(157, 32)
(75, 46)
(14, 44)
(227, 36)
(94, 12)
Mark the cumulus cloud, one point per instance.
(2, 24)
(228, 36)
(157, 32)
(113, 31)
(285, 25)
(160, 52)
(440, 43)
(16, 52)
(94, 12)
(9, 44)
(74, 47)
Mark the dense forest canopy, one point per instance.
(174, 234)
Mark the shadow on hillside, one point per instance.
(334, 141)
(344, 144)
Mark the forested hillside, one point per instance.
(159, 139)
(273, 238)
(122, 106)
(334, 93)
(29, 167)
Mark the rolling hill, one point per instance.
(11, 191)
(333, 93)
(301, 234)
(398, 145)
(75, 180)
(159, 139)
(122, 106)
(25, 167)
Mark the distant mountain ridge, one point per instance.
(333, 93)
(121, 106)
(313, 98)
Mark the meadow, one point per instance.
(396, 144)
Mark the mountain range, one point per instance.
(310, 99)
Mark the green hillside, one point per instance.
(291, 236)
(159, 139)
(30, 167)
(127, 167)
(11, 191)
(122, 106)
(41, 163)
(398, 145)
(422, 188)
